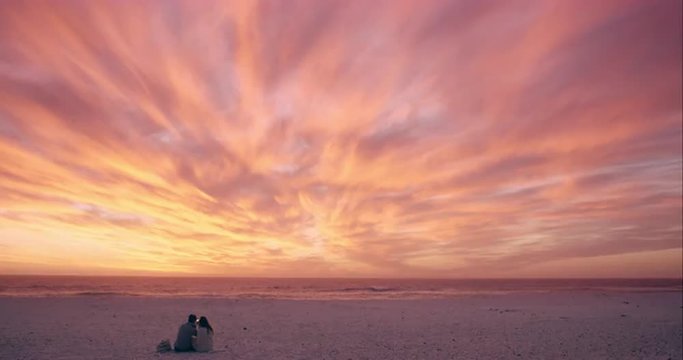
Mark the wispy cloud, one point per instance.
(309, 138)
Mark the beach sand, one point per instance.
(561, 325)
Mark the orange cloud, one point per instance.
(307, 138)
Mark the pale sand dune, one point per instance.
(577, 325)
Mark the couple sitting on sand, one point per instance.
(194, 335)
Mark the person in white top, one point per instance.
(203, 341)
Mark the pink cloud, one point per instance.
(454, 138)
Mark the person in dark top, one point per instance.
(183, 341)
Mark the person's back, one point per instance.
(183, 341)
(203, 342)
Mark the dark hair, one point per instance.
(204, 322)
(192, 318)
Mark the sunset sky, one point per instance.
(341, 138)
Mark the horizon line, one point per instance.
(204, 276)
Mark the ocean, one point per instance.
(315, 289)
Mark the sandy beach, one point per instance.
(569, 325)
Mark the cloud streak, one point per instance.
(307, 138)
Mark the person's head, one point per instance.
(204, 322)
(192, 318)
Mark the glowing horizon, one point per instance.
(334, 139)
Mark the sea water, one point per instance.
(304, 288)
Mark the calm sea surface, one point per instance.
(265, 288)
